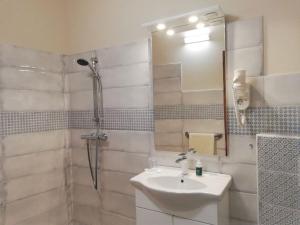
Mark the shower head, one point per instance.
(82, 62)
(92, 66)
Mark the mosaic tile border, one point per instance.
(115, 119)
(278, 180)
(28, 122)
(284, 120)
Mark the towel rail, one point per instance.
(218, 136)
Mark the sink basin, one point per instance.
(175, 184)
(166, 186)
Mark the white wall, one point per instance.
(69, 26)
(36, 24)
(102, 23)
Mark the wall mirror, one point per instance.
(188, 79)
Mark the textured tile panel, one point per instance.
(278, 179)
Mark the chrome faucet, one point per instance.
(185, 156)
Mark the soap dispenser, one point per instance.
(198, 168)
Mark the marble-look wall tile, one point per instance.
(82, 176)
(130, 75)
(128, 141)
(119, 204)
(22, 187)
(203, 126)
(242, 149)
(167, 85)
(117, 182)
(282, 90)
(168, 125)
(20, 144)
(78, 81)
(244, 176)
(57, 216)
(244, 33)
(27, 100)
(166, 71)
(171, 98)
(89, 215)
(81, 100)
(79, 157)
(109, 218)
(129, 97)
(124, 162)
(168, 139)
(16, 56)
(136, 52)
(33, 163)
(249, 59)
(203, 97)
(24, 209)
(70, 61)
(86, 195)
(28, 79)
(76, 141)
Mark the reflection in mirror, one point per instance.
(188, 72)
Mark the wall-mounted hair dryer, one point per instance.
(241, 96)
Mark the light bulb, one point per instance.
(160, 26)
(196, 39)
(193, 19)
(170, 32)
(200, 25)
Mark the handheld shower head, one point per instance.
(82, 62)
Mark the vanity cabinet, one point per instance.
(149, 217)
(151, 212)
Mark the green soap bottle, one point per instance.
(199, 168)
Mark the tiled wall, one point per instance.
(278, 179)
(34, 175)
(34, 89)
(128, 106)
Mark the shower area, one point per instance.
(59, 113)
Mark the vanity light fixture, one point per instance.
(170, 32)
(160, 26)
(200, 25)
(193, 19)
(196, 39)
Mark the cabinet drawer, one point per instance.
(148, 217)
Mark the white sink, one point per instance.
(165, 185)
(175, 184)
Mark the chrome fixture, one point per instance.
(98, 136)
(183, 160)
(185, 155)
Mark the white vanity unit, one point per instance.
(163, 197)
